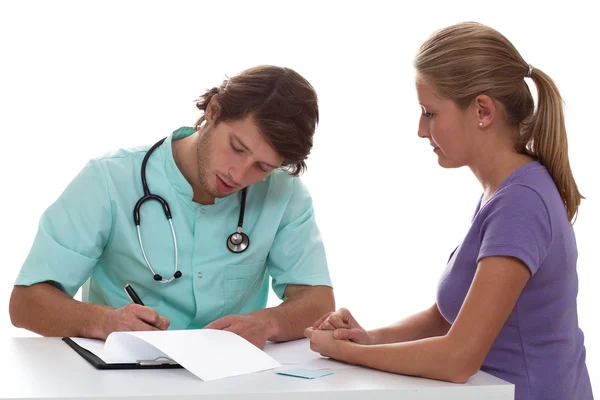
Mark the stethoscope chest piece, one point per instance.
(238, 242)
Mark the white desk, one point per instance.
(46, 368)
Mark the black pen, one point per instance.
(133, 295)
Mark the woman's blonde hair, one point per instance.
(465, 60)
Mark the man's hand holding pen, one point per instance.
(132, 317)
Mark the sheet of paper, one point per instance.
(124, 350)
(95, 346)
(121, 347)
(297, 353)
(209, 354)
(129, 348)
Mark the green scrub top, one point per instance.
(88, 235)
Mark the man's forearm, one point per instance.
(302, 307)
(46, 310)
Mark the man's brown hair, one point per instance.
(282, 104)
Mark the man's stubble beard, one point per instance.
(203, 160)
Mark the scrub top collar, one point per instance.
(175, 176)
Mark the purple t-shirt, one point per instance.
(540, 347)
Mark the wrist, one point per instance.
(373, 337)
(350, 352)
(98, 322)
(269, 321)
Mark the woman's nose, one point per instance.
(423, 129)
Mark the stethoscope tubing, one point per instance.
(237, 242)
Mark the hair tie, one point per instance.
(529, 71)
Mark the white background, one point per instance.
(78, 79)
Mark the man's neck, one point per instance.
(186, 158)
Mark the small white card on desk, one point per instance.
(209, 354)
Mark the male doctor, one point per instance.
(208, 266)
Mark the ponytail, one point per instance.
(544, 137)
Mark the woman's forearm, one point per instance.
(426, 324)
(434, 358)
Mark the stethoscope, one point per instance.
(237, 242)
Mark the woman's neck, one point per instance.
(495, 165)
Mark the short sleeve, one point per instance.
(71, 234)
(515, 222)
(297, 255)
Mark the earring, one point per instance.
(480, 124)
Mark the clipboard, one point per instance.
(98, 363)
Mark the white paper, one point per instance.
(124, 350)
(95, 346)
(207, 353)
(123, 347)
(297, 353)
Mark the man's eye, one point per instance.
(263, 168)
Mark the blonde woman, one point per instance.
(506, 303)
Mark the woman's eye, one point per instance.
(428, 114)
(237, 150)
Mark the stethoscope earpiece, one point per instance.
(159, 278)
(237, 242)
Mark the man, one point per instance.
(185, 250)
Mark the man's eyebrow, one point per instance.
(250, 151)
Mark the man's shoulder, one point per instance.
(278, 179)
(120, 162)
(122, 153)
(280, 184)
(114, 167)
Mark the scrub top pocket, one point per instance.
(244, 284)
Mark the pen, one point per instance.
(133, 295)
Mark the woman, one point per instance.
(506, 303)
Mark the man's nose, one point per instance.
(238, 172)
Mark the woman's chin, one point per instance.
(444, 162)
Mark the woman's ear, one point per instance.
(485, 110)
